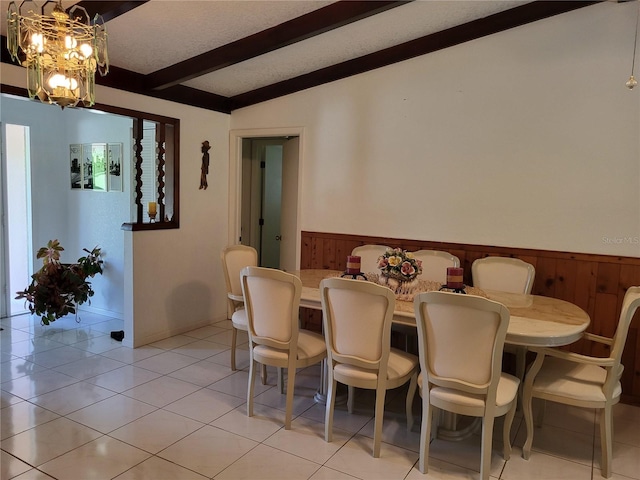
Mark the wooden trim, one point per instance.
(596, 283)
(138, 227)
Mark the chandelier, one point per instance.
(60, 50)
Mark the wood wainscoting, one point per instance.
(596, 283)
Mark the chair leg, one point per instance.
(527, 401)
(413, 384)
(328, 415)
(252, 377)
(291, 378)
(606, 440)
(263, 374)
(234, 338)
(521, 363)
(487, 443)
(379, 416)
(528, 420)
(506, 433)
(351, 395)
(280, 381)
(425, 434)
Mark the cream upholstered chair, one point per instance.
(506, 274)
(581, 380)
(234, 259)
(369, 255)
(272, 302)
(357, 316)
(435, 264)
(460, 340)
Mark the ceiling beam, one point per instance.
(129, 81)
(109, 9)
(482, 27)
(306, 26)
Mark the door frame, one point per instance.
(235, 177)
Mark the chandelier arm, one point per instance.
(635, 42)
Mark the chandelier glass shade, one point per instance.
(60, 50)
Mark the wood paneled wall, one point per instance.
(596, 283)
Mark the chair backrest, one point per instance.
(505, 274)
(461, 340)
(234, 259)
(630, 304)
(369, 255)
(357, 317)
(272, 301)
(435, 264)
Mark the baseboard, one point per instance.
(156, 337)
(100, 311)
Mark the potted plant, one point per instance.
(58, 288)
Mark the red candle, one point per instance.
(353, 264)
(454, 277)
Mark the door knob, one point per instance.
(279, 237)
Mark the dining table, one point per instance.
(535, 320)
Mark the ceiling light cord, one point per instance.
(632, 82)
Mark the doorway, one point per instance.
(264, 178)
(15, 208)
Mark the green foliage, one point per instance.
(56, 289)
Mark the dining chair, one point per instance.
(435, 264)
(460, 341)
(357, 317)
(504, 274)
(234, 259)
(369, 255)
(582, 380)
(272, 302)
(511, 275)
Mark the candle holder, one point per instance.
(353, 268)
(454, 280)
(152, 211)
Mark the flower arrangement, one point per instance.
(399, 264)
(57, 289)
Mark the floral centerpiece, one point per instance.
(57, 289)
(400, 265)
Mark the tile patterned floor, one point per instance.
(75, 404)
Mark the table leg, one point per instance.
(321, 395)
(454, 427)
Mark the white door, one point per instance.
(271, 206)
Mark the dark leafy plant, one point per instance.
(58, 288)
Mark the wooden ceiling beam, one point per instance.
(306, 26)
(482, 27)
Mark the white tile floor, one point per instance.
(78, 405)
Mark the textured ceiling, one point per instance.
(250, 51)
(165, 35)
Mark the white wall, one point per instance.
(175, 276)
(527, 138)
(172, 279)
(77, 218)
(97, 217)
